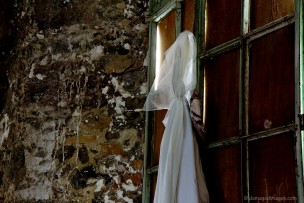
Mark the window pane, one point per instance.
(159, 129)
(265, 11)
(167, 37)
(188, 15)
(223, 21)
(167, 31)
(271, 91)
(272, 166)
(223, 174)
(222, 96)
(153, 185)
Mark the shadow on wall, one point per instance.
(6, 43)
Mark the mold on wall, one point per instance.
(71, 129)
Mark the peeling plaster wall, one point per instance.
(70, 127)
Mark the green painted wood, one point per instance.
(149, 117)
(299, 94)
(159, 9)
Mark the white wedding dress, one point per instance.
(180, 176)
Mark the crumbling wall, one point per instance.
(71, 129)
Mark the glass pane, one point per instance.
(223, 174)
(166, 29)
(272, 167)
(223, 21)
(265, 11)
(271, 91)
(159, 129)
(222, 96)
(188, 15)
(153, 185)
(166, 37)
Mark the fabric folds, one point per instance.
(180, 175)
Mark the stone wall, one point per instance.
(71, 129)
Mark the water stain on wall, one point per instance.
(70, 128)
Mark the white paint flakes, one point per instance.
(38, 166)
(119, 103)
(111, 169)
(82, 70)
(115, 83)
(62, 104)
(99, 185)
(119, 87)
(74, 28)
(70, 46)
(132, 158)
(121, 168)
(128, 200)
(96, 52)
(76, 113)
(42, 191)
(127, 46)
(118, 158)
(4, 128)
(73, 57)
(40, 76)
(117, 179)
(56, 57)
(40, 36)
(138, 110)
(143, 88)
(122, 117)
(107, 199)
(91, 181)
(140, 27)
(31, 74)
(44, 61)
(23, 14)
(105, 90)
(129, 186)
(127, 12)
(126, 94)
(119, 194)
(111, 101)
